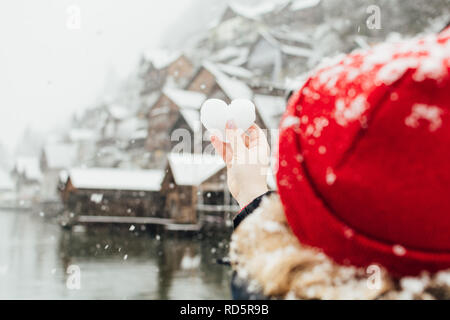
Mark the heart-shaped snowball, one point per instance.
(215, 113)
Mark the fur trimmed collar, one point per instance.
(266, 253)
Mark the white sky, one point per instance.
(47, 70)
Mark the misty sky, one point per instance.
(48, 70)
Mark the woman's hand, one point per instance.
(247, 157)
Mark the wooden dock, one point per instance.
(217, 208)
(168, 224)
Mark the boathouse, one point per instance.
(113, 195)
(195, 184)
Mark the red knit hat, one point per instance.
(364, 157)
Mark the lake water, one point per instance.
(40, 260)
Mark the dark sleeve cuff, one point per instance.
(248, 209)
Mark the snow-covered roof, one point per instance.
(229, 53)
(239, 61)
(139, 134)
(270, 108)
(296, 51)
(185, 98)
(269, 38)
(63, 176)
(286, 49)
(192, 118)
(118, 112)
(291, 35)
(161, 58)
(82, 134)
(235, 71)
(303, 4)
(257, 9)
(361, 42)
(6, 183)
(233, 88)
(193, 169)
(29, 168)
(116, 179)
(60, 155)
(127, 128)
(297, 82)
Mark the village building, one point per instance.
(85, 140)
(160, 68)
(305, 12)
(268, 56)
(107, 195)
(175, 109)
(231, 55)
(195, 184)
(54, 158)
(113, 116)
(215, 83)
(122, 138)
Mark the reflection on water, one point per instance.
(126, 263)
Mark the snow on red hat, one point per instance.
(364, 157)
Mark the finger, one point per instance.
(222, 149)
(246, 138)
(218, 146)
(256, 135)
(234, 137)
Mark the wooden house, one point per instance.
(175, 109)
(159, 68)
(113, 195)
(195, 183)
(212, 81)
(234, 28)
(179, 71)
(270, 53)
(230, 55)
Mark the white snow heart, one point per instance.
(215, 113)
